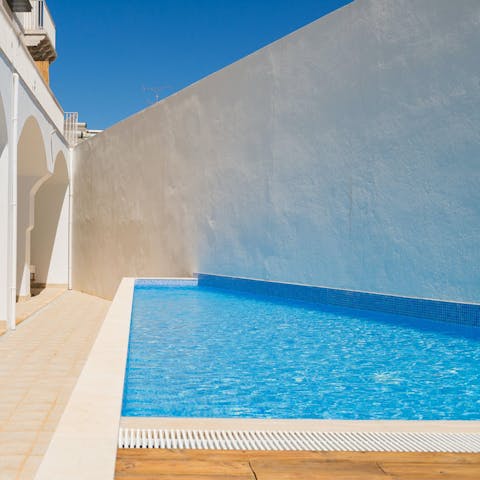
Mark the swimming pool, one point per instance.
(198, 351)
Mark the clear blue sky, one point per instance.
(110, 50)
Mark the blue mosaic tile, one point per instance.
(452, 312)
(166, 282)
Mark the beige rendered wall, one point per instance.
(346, 154)
(49, 239)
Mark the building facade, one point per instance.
(34, 158)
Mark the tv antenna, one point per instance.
(155, 91)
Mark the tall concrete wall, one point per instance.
(346, 155)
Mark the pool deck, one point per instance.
(41, 362)
(149, 464)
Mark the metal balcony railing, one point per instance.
(38, 21)
(75, 131)
(71, 128)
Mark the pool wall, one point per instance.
(344, 155)
(452, 312)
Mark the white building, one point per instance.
(34, 157)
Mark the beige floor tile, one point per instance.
(16, 443)
(9, 474)
(30, 406)
(22, 426)
(26, 309)
(41, 361)
(11, 462)
(30, 467)
(49, 425)
(41, 443)
(26, 413)
(63, 396)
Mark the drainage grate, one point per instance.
(319, 441)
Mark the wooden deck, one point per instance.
(157, 464)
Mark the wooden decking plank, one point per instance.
(432, 471)
(394, 457)
(189, 466)
(281, 469)
(159, 464)
(173, 476)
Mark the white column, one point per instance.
(12, 210)
(70, 215)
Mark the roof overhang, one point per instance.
(20, 5)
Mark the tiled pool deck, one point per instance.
(40, 364)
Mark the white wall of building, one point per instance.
(37, 149)
(13, 49)
(346, 155)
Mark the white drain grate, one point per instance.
(319, 441)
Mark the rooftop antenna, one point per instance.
(155, 91)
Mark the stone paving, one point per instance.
(25, 310)
(39, 366)
(33, 305)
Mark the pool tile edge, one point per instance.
(461, 313)
(166, 282)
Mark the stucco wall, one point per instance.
(49, 242)
(345, 155)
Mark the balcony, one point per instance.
(20, 5)
(39, 31)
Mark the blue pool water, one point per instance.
(204, 352)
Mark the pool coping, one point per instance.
(84, 444)
(290, 425)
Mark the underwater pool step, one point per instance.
(310, 441)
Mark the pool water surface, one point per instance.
(205, 352)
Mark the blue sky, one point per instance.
(116, 55)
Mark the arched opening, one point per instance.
(49, 237)
(32, 173)
(4, 175)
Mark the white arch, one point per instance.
(32, 171)
(60, 173)
(32, 153)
